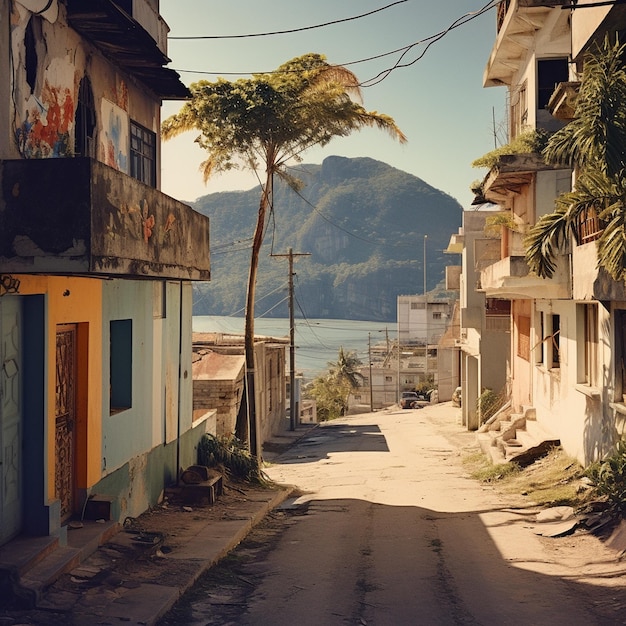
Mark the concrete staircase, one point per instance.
(517, 438)
(29, 565)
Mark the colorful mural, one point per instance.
(138, 221)
(115, 136)
(45, 132)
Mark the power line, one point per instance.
(430, 40)
(293, 30)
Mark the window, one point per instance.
(519, 111)
(550, 72)
(437, 316)
(523, 337)
(587, 344)
(142, 154)
(548, 346)
(121, 365)
(554, 349)
(388, 379)
(620, 353)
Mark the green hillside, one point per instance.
(363, 222)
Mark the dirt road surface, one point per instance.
(390, 530)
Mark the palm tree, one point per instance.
(344, 373)
(266, 121)
(594, 142)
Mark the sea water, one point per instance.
(317, 341)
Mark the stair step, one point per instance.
(50, 569)
(538, 432)
(23, 553)
(40, 561)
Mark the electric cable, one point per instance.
(293, 30)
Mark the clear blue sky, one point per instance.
(438, 101)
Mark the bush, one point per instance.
(609, 478)
(527, 142)
(232, 455)
(489, 403)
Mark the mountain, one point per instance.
(362, 221)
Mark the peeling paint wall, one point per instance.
(46, 65)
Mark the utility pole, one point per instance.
(369, 354)
(292, 338)
(425, 316)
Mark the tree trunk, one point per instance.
(246, 427)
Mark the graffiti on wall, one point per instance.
(45, 131)
(139, 221)
(114, 140)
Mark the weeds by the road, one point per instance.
(554, 480)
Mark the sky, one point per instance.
(438, 100)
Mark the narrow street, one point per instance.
(390, 530)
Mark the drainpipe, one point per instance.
(180, 361)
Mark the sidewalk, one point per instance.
(137, 574)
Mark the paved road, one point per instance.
(391, 531)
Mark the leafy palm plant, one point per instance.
(594, 142)
(264, 122)
(344, 374)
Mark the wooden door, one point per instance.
(65, 418)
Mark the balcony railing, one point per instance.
(503, 8)
(590, 226)
(79, 216)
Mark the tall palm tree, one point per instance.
(265, 121)
(594, 142)
(344, 373)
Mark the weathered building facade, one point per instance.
(565, 369)
(96, 266)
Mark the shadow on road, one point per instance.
(337, 438)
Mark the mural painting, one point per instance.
(115, 138)
(45, 132)
(138, 221)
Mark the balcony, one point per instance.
(511, 278)
(511, 174)
(562, 103)
(517, 22)
(589, 280)
(79, 216)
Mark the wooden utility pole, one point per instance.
(292, 337)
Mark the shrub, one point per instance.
(609, 477)
(527, 142)
(489, 403)
(232, 455)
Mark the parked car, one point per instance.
(408, 400)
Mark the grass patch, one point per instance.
(553, 480)
(480, 468)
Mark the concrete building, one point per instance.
(96, 266)
(218, 381)
(484, 323)
(565, 367)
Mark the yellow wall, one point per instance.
(74, 301)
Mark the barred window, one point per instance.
(142, 154)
